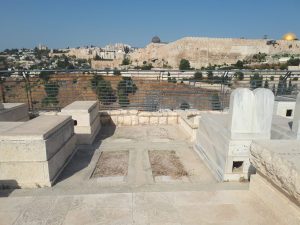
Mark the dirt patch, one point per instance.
(112, 164)
(166, 163)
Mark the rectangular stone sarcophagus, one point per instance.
(13, 112)
(223, 139)
(86, 119)
(34, 153)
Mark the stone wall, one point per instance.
(103, 64)
(202, 51)
(135, 117)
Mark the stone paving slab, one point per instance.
(195, 207)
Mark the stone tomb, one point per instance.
(277, 178)
(13, 112)
(223, 140)
(33, 153)
(86, 120)
(287, 128)
(296, 119)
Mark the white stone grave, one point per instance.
(223, 140)
(296, 119)
(33, 153)
(14, 112)
(86, 118)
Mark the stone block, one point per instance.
(242, 104)
(279, 162)
(14, 112)
(143, 114)
(172, 113)
(114, 119)
(134, 120)
(123, 111)
(84, 112)
(120, 120)
(34, 153)
(275, 200)
(144, 120)
(172, 120)
(133, 112)
(153, 120)
(127, 121)
(163, 120)
(263, 112)
(296, 119)
(36, 140)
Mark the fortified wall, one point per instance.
(204, 51)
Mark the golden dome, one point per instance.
(289, 37)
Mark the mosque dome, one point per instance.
(155, 39)
(289, 37)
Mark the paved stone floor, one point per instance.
(136, 199)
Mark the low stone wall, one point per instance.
(135, 117)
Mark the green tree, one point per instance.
(123, 99)
(210, 76)
(185, 106)
(184, 64)
(117, 72)
(125, 61)
(239, 75)
(293, 62)
(274, 89)
(51, 89)
(97, 57)
(198, 75)
(127, 86)
(281, 87)
(103, 89)
(45, 75)
(266, 85)
(239, 64)
(256, 81)
(215, 102)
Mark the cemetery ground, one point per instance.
(133, 187)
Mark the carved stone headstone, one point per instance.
(251, 113)
(263, 112)
(295, 126)
(242, 103)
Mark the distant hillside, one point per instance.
(204, 51)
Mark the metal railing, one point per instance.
(143, 90)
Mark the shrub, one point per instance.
(184, 64)
(239, 75)
(185, 106)
(125, 61)
(117, 72)
(198, 75)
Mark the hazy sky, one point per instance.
(62, 23)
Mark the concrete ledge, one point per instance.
(287, 210)
(14, 112)
(279, 161)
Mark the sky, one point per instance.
(63, 23)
